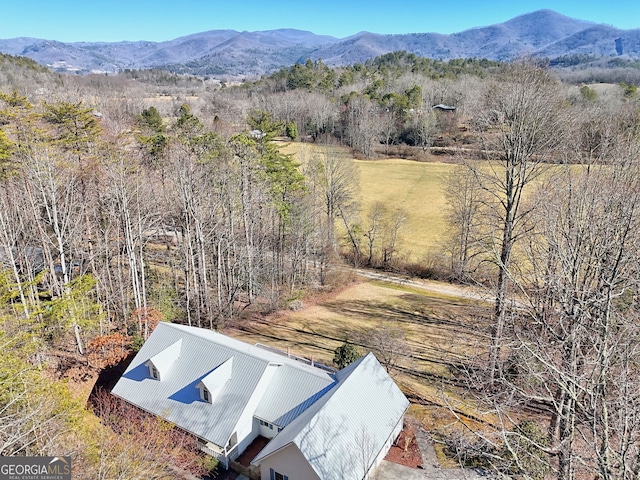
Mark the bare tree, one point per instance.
(389, 345)
(375, 218)
(464, 197)
(423, 126)
(338, 183)
(521, 127)
(586, 321)
(574, 350)
(363, 124)
(395, 221)
(382, 231)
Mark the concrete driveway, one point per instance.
(387, 470)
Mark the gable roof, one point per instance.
(195, 356)
(218, 376)
(343, 432)
(164, 359)
(290, 393)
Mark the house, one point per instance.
(345, 434)
(321, 424)
(444, 108)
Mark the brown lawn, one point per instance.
(441, 331)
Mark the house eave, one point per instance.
(195, 435)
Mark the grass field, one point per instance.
(441, 332)
(416, 187)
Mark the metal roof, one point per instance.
(199, 353)
(219, 376)
(164, 359)
(291, 391)
(343, 432)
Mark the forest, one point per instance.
(147, 196)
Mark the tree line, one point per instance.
(159, 216)
(106, 227)
(548, 223)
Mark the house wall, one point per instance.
(268, 432)
(246, 441)
(247, 427)
(288, 461)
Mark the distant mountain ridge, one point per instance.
(543, 33)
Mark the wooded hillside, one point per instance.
(151, 197)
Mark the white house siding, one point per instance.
(243, 444)
(267, 432)
(288, 461)
(247, 428)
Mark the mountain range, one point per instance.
(543, 33)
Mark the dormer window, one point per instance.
(213, 382)
(160, 364)
(154, 372)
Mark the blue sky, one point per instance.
(158, 20)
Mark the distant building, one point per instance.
(444, 108)
(321, 425)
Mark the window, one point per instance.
(154, 373)
(266, 424)
(273, 475)
(205, 394)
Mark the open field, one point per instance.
(415, 187)
(442, 330)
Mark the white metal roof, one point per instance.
(219, 376)
(164, 359)
(291, 391)
(176, 396)
(343, 432)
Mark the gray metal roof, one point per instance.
(176, 396)
(291, 391)
(343, 432)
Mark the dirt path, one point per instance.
(441, 288)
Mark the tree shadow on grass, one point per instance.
(438, 331)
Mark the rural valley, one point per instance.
(473, 222)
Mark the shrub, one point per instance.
(345, 354)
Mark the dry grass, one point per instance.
(416, 187)
(441, 332)
(444, 331)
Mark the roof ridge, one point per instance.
(245, 348)
(316, 409)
